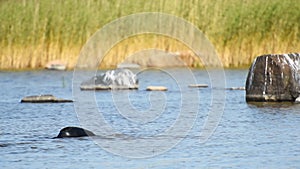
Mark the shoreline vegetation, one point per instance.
(34, 32)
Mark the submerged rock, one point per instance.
(44, 99)
(112, 79)
(274, 78)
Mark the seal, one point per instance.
(74, 132)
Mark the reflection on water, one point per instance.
(273, 104)
(260, 135)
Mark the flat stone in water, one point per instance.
(111, 87)
(44, 99)
(156, 88)
(236, 88)
(198, 85)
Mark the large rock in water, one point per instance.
(112, 79)
(274, 78)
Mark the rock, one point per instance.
(44, 99)
(297, 100)
(274, 77)
(156, 88)
(125, 65)
(112, 79)
(74, 132)
(198, 85)
(156, 58)
(236, 88)
(56, 65)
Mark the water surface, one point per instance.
(247, 136)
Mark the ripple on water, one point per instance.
(248, 135)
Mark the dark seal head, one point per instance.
(74, 132)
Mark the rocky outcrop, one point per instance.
(44, 99)
(274, 78)
(112, 79)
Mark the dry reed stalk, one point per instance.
(34, 32)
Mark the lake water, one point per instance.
(168, 129)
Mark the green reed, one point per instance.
(33, 32)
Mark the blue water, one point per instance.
(247, 135)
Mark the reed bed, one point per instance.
(33, 32)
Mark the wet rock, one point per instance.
(112, 79)
(44, 99)
(198, 85)
(274, 78)
(236, 88)
(297, 100)
(156, 88)
(74, 132)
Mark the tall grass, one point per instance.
(33, 32)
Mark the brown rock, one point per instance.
(274, 77)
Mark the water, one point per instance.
(247, 136)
